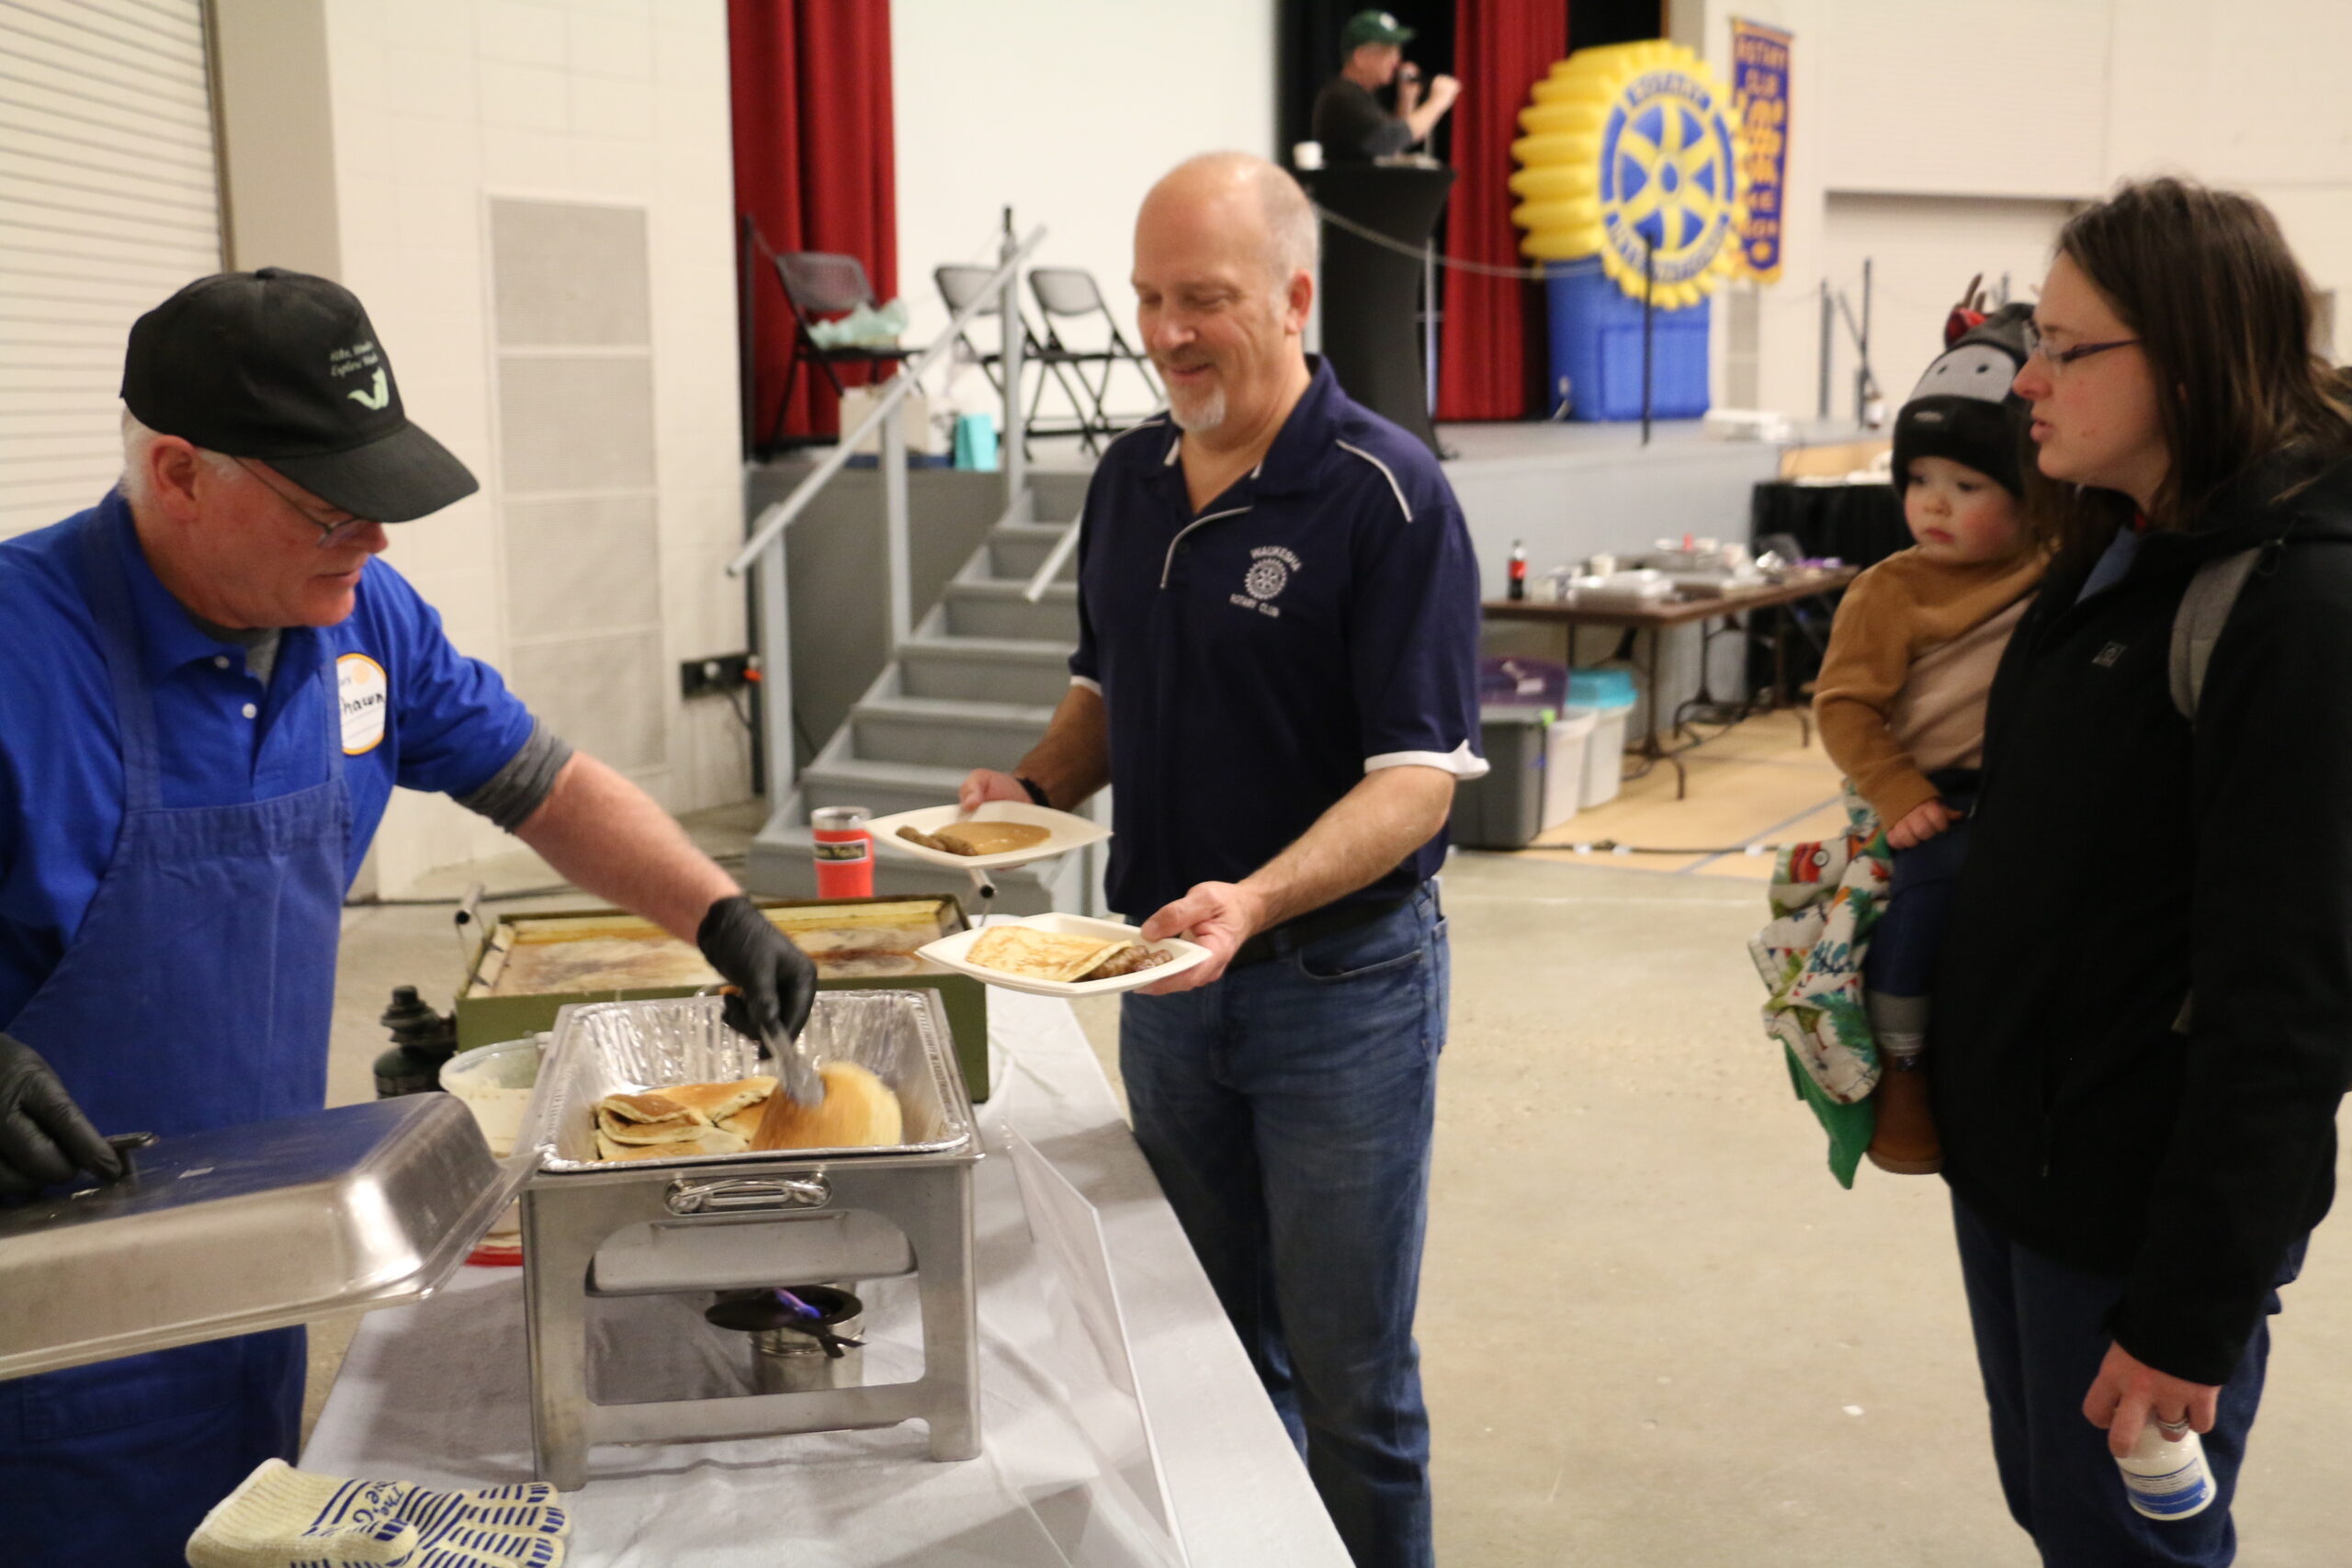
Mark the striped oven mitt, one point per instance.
(282, 1517)
(1825, 898)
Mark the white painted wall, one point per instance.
(1985, 116)
(1068, 112)
(439, 106)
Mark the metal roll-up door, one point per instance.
(109, 200)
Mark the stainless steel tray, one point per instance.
(245, 1228)
(604, 1048)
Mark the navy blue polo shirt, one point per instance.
(414, 712)
(1317, 622)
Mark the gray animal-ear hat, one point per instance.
(1963, 408)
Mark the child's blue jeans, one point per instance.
(1910, 934)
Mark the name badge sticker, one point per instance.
(366, 693)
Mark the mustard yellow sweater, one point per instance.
(1910, 663)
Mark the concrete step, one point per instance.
(781, 864)
(1015, 551)
(882, 788)
(986, 670)
(944, 734)
(993, 609)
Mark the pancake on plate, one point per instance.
(1035, 954)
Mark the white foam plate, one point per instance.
(1069, 831)
(950, 951)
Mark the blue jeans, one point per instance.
(1909, 936)
(2041, 1336)
(1287, 1111)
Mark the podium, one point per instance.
(1370, 292)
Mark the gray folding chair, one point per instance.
(959, 285)
(818, 284)
(1068, 294)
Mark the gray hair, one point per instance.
(1294, 234)
(138, 480)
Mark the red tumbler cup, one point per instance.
(844, 852)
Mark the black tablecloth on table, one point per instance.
(1860, 525)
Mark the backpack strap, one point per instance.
(2197, 626)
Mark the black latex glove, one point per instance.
(777, 981)
(44, 1137)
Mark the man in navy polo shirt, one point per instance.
(1277, 669)
(211, 689)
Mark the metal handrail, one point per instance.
(779, 515)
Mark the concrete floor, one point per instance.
(1654, 1329)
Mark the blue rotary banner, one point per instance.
(1759, 58)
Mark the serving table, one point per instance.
(439, 1391)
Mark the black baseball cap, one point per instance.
(1373, 26)
(285, 368)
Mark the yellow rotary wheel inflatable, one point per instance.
(1631, 148)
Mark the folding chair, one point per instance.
(818, 284)
(959, 285)
(1068, 293)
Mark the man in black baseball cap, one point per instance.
(285, 368)
(1349, 120)
(213, 686)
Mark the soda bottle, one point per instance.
(844, 852)
(1518, 569)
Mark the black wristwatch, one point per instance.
(1036, 790)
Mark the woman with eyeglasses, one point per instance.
(2144, 1009)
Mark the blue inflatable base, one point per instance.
(1597, 351)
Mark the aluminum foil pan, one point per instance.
(604, 1048)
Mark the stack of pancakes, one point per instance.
(681, 1120)
(859, 1111)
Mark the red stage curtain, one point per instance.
(1501, 47)
(813, 167)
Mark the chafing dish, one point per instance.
(245, 1228)
(707, 1223)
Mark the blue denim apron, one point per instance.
(197, 993)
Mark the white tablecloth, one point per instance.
(438, 1392)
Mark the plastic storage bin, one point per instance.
(1504, 810)
(1605, 757)
(1515, 681)
(1604, 686)
(1564, 764)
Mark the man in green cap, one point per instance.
(1348, 122)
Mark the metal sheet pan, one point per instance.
(604, 1048)
(245, 1228)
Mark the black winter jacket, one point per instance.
(2116, 863)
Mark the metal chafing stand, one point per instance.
(721, 1222)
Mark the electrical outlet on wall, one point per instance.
(718, 673)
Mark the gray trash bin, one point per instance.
(1505, 809)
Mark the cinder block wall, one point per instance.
(534, 200)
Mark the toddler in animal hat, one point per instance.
(1903, 687)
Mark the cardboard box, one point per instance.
(491, 1008)
(914, 421)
